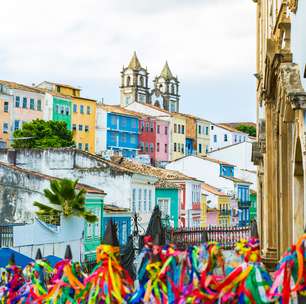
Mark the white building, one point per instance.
(222, 135)
(240, 155)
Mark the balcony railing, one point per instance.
(244, 204)
(7, 235)
(224, 212)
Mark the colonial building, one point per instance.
(134, 83)
(279, 151)
(83, 112)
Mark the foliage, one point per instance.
(64, 199)
(251, 130)
(43, 134)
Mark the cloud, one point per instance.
(88, 41)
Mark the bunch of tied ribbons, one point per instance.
(200, 274)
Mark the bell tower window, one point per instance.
(172, 89)
(128, 81)
(141, 80)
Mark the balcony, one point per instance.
(244, 204)
(224, 212)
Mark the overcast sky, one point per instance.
(209, 44)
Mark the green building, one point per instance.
(93, 232)
(62, 108)
(253, 208)
(167, 198)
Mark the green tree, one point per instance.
(64, 199)
(251, 130)
(43, 134)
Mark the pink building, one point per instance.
(154, 139)
(212, 217)
(27, 105)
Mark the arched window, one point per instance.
(128, 81)
(172, 89)
(160, 86)
(141, 81)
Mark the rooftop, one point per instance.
(19, 86)
(210, 159)
(79, 186)
(163, 184)
(134, 62)
(213, 190)
(166, 72)
(119, 110)
(229, 128)
(237, 180)
(62, 85)
(150, 170)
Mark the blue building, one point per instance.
(122, 131)
(123, 222)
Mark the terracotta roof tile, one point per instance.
(213, 190)
(163, 184)
(236, 180)
(119, 110)
(22, 87)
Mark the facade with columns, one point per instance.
(279, 152)
(135, 87)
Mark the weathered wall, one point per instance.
(73, 164)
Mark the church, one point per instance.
(135, 87)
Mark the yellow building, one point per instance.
(203, 219)
(83, 118)
(224, 218)
(178, 136)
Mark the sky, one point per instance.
(209, 45)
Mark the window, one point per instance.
(164, 206)
(38, 105)
(133, 139)
(57, 108)
(62, 110)
(67, 110)
(80, 127)
(157, 147)
(200, 148)
(145, 200)
(158, 129)
(5, 127)
(6, 106)
(58, 89)
(151, 148)
(17, 101)
(24, 102)
(134, 200)
(141, 81)
(178, 147)
(86, 128)
(147, 127)
(124, 138)
(81, 109)
(32, 104)
(141, 146)
(128, 81)
(174, 147)
(175, 128)
(86, 147)
(88, 109)
(215, 138)
(16, 124)
(172, 89)
(74, 127)
(225, 137)
(90, 230)
(212, 127)
(139, 199)
(206, 131)
(183, 129)
(179, 129)
(124, 122)
(75, 108)
(80, 146)
(199, 129)
(147, 147)
(239, 138)
(142, 126)
(166, 130)
(150, 200)
(182, 148)
(166, 148)
(206, 149)
(152, 126)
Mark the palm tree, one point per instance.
(64, 199)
